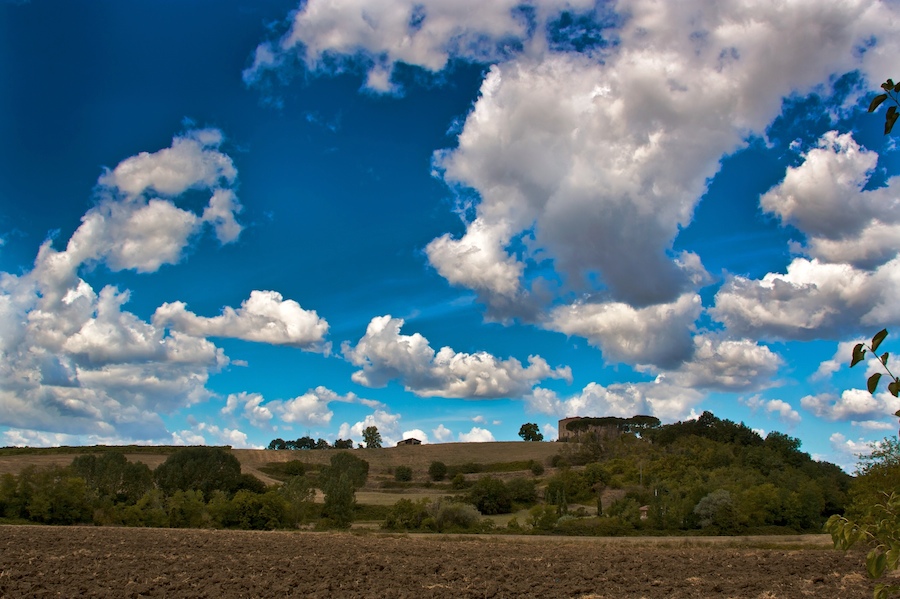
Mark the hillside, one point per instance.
(381, 461)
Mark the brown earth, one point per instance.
(118, 562)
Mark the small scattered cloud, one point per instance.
(388, 426)
(776, 407)
(442, 434)
(477, 435)
(852, 404)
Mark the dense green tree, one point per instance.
(490, 495)
(204, 469)
(522, 490)
(437, 471)
(717, 510)
(403, 473)
(530, 432)
(371, 437)
(112, 476)
(340, 499)
(278, 443)
(345, 463)
(300, 496)
(55, 496)
(343, 444)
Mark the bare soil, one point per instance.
(118, 562)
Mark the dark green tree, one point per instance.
(371, 437)
(403, 473)
(437, 471)
(340, 499)
(345, 463)
(490, 496)
(204, 469)
(530, 432)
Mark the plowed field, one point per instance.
(122, 562)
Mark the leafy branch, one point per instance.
(859, 354)
(891, 90)
(881, 533)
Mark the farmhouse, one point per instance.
(578, 427)
(410, 441)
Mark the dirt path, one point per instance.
(118, 562)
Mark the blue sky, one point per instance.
(226, 222)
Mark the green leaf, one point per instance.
(875, 564)
(872, 383)
(859, 353)
(889, 122)
(876, 102)
(884, 358)
(897, 88)
(878, 338)
(888, 85)
(894, 389)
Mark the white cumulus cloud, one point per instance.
(264, 317)
(477, 435)
(384, 354)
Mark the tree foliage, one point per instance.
(371, 437)
(204, 469)
(530, 432)
(437, 470)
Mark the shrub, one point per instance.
(451, 515)
(403, 474)
(522, 490)
(537, 468)
(407, 515)
(437, 471)
(459, 482)
(490, 495)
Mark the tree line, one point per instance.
(195, 487)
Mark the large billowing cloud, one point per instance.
(265, 317)
(384, 354)
(850, 277)
(658, 335)
(587, 163)
(602, 162)
(74, 361)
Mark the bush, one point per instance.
(537, 468)
(450, 515)
(437, 471)
(459, 482)
(490, 496)
(522, 490)
(403, 474)
(407, 515)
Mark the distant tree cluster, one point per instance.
(194, 487)
(309, 443)
(371, 438)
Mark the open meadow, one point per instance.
(43, 561)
